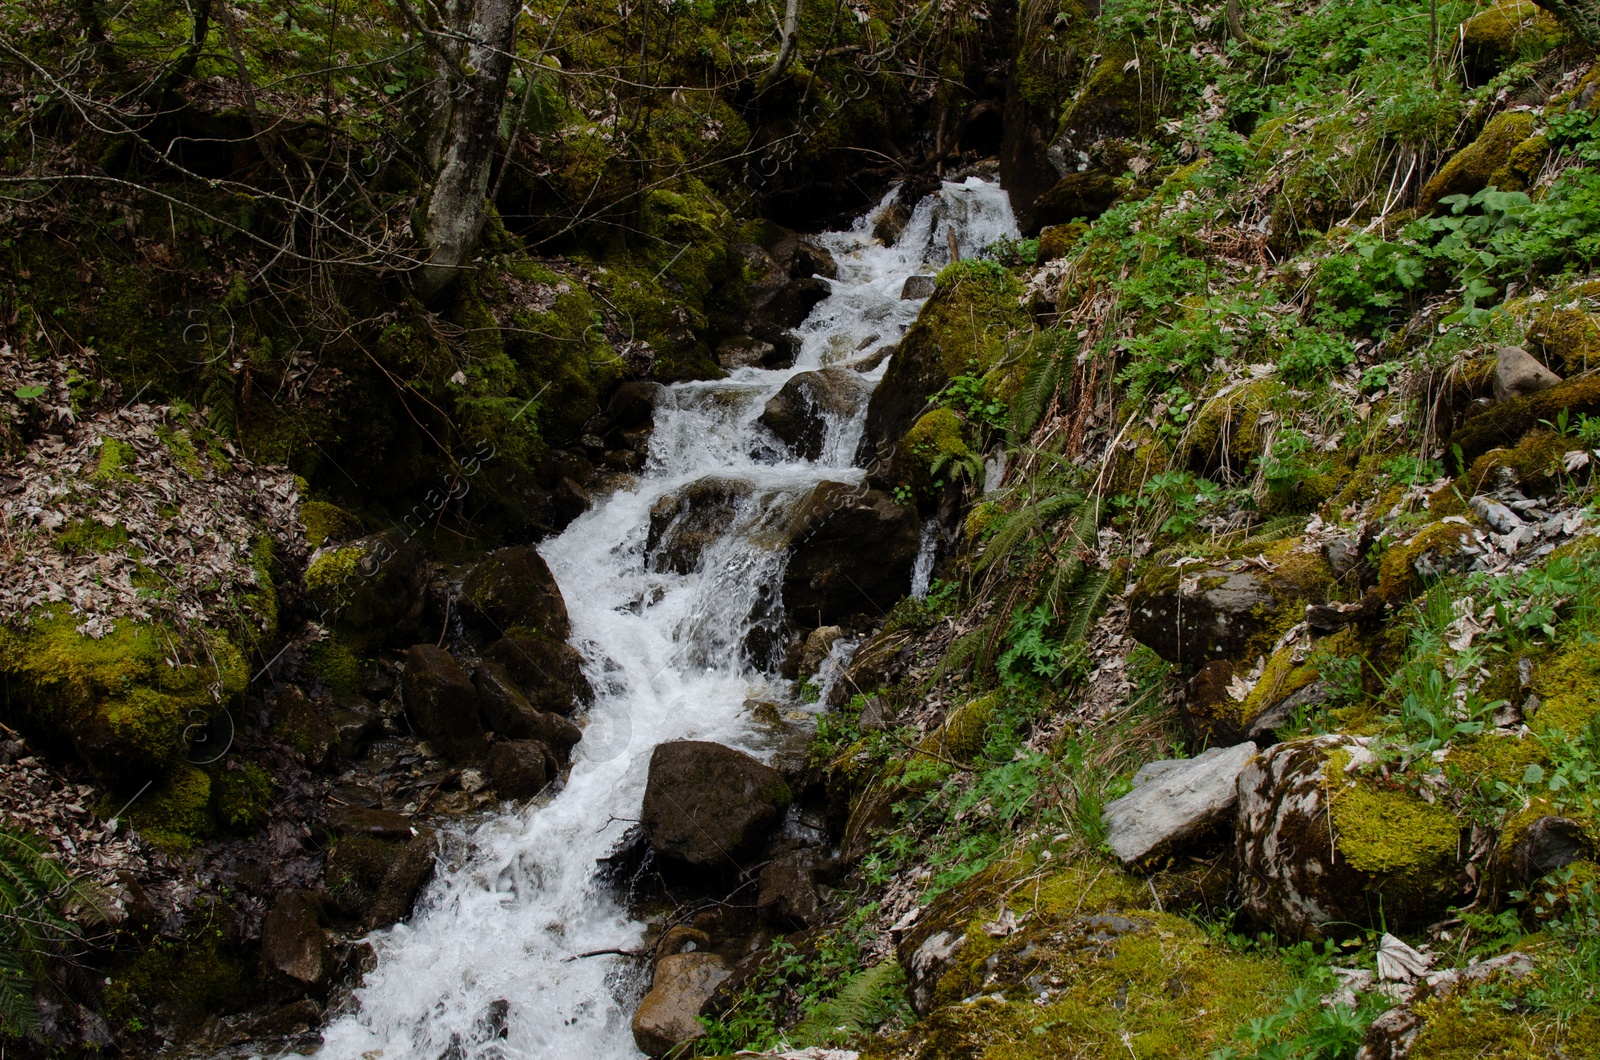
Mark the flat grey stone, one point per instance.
(1174, 802)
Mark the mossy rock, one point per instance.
(179, 983)
(177, 812)
(1365, 850)
(1503, 425)
(1500, 35)
(1464, 1025)
(1522, 165)
(369, 591)
(1437, 549)
(1057, 241)
(962, 735)
(1568, 687)
(1092, 973)
(938, 437)
(328, 523)
(1227, 435)
(1077, 197)
(115, 700)
(965, 327)
(1534, 463)
(1471, 168)
(1567, 337)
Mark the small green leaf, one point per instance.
(1533, 774)
(29, 393)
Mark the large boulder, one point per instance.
(1319, 841)
(442, 704)
(1226, 609)
(513, 591)
(370, 590)
(683, 983)
(942, 344)
(1474, 167)
(853, 552)
(800, 413)
(549, 672)
(710, 805)
(684, 523)
(1174, 803)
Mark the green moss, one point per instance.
(1057, 241)
(1226, 433)
(1434, 547)
(328, 523)
(938, 434)
(1470, 169)
(177, 812)
(182, 982)
(330, 567)
(115, 458)
(1568, 688)
(337, 663)
(241, 796)
(1501, 34)
(182, 450)
(1534, 463)
(961, 737)
(1486, 1023)
(1522, 165)
(79, 538)
(1390, 833)
(1567, 337)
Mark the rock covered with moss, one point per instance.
(1320, 843)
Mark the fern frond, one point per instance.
(1086, 602)
(1038, 387)
(857, 1007)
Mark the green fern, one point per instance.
(867, 999)
(1038, 386)
(33, 887)
(1086, 602)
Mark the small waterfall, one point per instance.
(488, 966)
(927, 552)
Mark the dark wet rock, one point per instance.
(369, 822)
(374, 881)
(799, 414)
(852, 555)
(371, 590)
(918, 287)
(513, 591)
(294, 951)
(710, 805)
(442, 704)
(568, 500)
(1226, 609)
(1548, 844)
(787, 898)
(801, 258)
(890, 222)
(684, 523)
(878, 716)
(633, 405)
(304, 724)
(668, 1015)
(1175, 803)
(355, 720)
(871, 666)
(501, 702)
(549, 673)
(518, 769)
(789, 305)
(556, 733)
(747, 351)
(815, 649)
(1517, 373)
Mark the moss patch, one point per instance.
(328, 523)
(1470, 169)
(1390, 833)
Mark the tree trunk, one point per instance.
(1580, 16)
(475, 59)
(791, 34)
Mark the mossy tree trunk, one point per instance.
(474, 51)
(1580, 16)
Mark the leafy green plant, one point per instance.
(34, 888)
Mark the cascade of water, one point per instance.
(486, 968)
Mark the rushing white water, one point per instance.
(485, 969)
